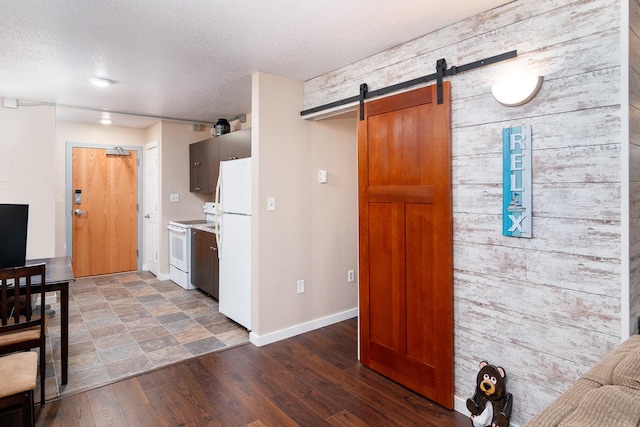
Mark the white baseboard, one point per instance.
(159, 276)
(166, 276)
(460, 405)
(260, 340)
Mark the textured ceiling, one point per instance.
(193, 60)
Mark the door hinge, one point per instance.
(363, 94)
(441, 68)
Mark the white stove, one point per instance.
(180, 246)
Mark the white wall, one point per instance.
(634, 165)
(311, 235)
(27, 171)
(546, 308)
(84, 133)
(174, 139)
(173, 146)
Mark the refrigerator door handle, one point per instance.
(219, 237)
(217, 217)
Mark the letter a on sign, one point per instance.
(516, 181)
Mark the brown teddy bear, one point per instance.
(490, 404)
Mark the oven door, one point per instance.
(178, 247)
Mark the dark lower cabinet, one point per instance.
(204, 262)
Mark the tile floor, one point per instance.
(124, 324)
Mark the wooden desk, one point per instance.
(58, 275)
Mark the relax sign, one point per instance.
(516, 181)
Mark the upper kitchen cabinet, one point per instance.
(234, 145)
(203, 158)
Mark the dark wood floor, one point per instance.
(309, 380)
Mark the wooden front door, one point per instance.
(104, 224)
(405, 232)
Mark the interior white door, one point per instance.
(235, 269)
(152, 179)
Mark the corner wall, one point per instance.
(312, 234)
(27, 174)
(173, 141)
(174, 178)
(86, 133)
(634, 165)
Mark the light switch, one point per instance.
(173, 198)
(322, 177)
(271, 203)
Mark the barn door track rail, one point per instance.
(441, 72)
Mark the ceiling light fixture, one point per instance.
(105, 118)
(100, 82)
(517, 90)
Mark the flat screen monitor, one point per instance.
(13, 235)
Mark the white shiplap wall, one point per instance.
(634, 164)
(547, 308)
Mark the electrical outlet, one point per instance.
(300, 286)
(351, 276)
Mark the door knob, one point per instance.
(78, 212)
(147, 216)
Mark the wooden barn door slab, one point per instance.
(406, 243)
(105, 231)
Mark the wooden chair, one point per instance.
(18, 372)
(21, 329)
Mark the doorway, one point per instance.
(104, 230)
(406, 241)
(152, 208)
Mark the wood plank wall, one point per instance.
(634, 164)
(547, 308)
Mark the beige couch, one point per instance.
(607, 395)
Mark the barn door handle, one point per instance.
(78, 212)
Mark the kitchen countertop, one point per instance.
(204, 227)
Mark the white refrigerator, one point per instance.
(233, 194)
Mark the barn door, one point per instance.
(104, 219)
(405, 232)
